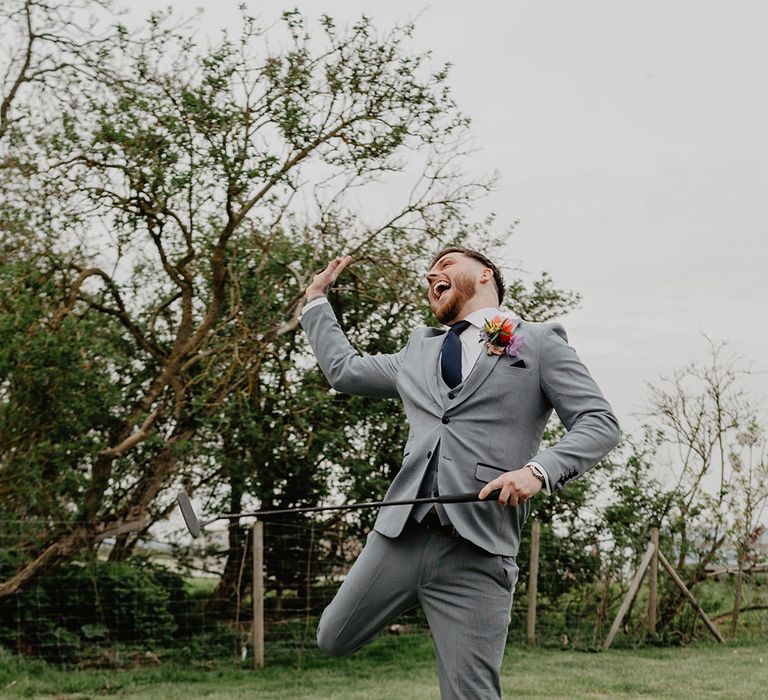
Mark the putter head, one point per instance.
(188, 513)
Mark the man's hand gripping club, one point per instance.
(517, 487)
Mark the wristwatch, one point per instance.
(537, 473)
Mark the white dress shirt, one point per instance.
(471, 347)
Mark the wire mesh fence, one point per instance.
(173, 599)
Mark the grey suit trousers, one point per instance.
(465, 592)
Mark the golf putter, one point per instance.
(195, 525)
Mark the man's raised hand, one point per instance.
(322, 282)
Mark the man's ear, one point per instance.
(486, 275)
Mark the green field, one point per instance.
(403, 669)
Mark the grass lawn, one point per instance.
(403, 669)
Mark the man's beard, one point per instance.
(462, 290)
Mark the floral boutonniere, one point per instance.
(499, 337)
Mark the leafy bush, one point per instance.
(93, 603)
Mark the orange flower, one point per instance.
(505, 333)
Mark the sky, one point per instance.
(630, 138)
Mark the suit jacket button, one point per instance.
(451, 395)
(429, 454)
(446, 419)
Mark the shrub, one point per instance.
(93, 602)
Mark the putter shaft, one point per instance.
(452, 498)
(194, 525)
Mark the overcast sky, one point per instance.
(631, 142)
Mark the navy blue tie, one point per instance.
(450, 359)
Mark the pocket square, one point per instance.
(519, 363)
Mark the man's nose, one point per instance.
(429, 276)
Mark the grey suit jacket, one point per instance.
(492, 425)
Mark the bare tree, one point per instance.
(746, 499)
(702, 414)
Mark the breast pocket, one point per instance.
(513, 373)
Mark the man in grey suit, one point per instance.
(475, 423)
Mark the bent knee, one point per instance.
(332, 643)
(332, 640)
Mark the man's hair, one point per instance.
(497, 278)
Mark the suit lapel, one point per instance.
(431, 346)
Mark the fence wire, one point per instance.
(170, 598)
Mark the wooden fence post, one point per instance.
(651, 552)
(631, 593)
(258, 595)
(533, 583)
(691, 599)
(653, 581)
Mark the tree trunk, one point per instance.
(78, 539)
(82, 536)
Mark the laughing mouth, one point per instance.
(440, 288)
